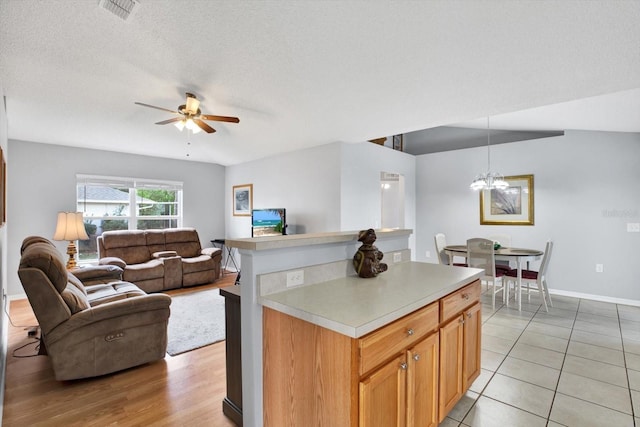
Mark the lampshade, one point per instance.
(70, 227)
(189, 124)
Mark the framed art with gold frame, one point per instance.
(242, 199)
(511, 206)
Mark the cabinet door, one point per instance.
(451, 355)
(472, 345)
(422, 383)
(383, 396)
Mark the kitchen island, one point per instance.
(398, 349)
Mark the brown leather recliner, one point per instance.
(96, 329)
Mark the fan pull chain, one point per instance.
(188, 142)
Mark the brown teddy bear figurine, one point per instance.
(366, 261)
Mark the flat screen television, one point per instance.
(268, 222)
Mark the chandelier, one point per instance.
(489, 180)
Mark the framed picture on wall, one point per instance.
(242, 199)
(397, 143)
(511, 206)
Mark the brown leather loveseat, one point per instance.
(159, 260)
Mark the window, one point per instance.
(110, 203)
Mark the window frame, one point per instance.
(132, 204)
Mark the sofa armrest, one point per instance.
(111, 310)
(211, 252)
(165, 254)
(111, 260)
(98, 274)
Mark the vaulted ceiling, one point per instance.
(300, 74)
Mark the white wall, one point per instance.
(360, 195)
(586, 191)
(42, 182)
(334, 187)
(306, 183)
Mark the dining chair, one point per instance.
(443, 258)
(480, 254)
(505, 241)
(534, 280)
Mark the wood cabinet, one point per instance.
(383, 395)
(393, 376)
(403, 392)
(460, 347)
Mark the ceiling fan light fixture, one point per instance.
(192, 126)
(180, 125)
(192, 104)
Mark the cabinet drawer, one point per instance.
(457, 301)
(380, 345)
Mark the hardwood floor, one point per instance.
(183, 390)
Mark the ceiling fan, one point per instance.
(190, 116)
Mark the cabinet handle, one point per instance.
(416, 357)
(461, 320)
(465, 296)
(410, 331)
(403, 366)
(469, 315)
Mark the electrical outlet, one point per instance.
(295, 278)
(428, 254)
(397, 257)
(633, 227)
(599, 268)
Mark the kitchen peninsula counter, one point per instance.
(398, 349)
(354, 306)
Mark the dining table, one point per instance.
(519, 255)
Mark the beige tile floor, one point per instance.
(577, 365)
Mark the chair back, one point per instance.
(44, 278)
(441, 242)
(480, 255)
(545, 259)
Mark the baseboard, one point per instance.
(16, 297)
(592, 297)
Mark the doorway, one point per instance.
(392, 200)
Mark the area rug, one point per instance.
(197, 320)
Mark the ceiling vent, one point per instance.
(123, 9)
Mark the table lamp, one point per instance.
(70, 227)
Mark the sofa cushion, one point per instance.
(155, 240)
(128, 245)
(145, 271)
(46, 257)
(184, 241)
(33, 239)
(100, 294)
(195, 264)
(75, 299)
(74, 281)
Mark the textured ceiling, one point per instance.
(300, 74)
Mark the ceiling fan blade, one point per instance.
(157, 108)
(166, 122)
(205, 127)
(220, 118)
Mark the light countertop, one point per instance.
(310, 239)
(354, 306)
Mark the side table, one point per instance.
(219, 243)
